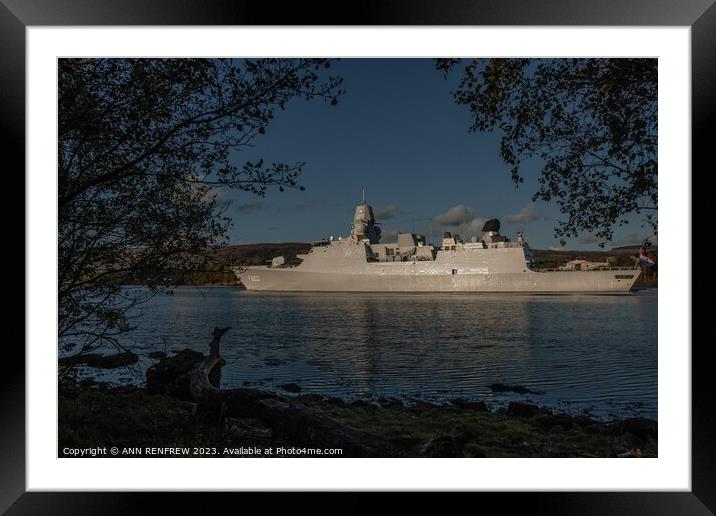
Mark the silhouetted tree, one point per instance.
(142, 144)
(591, 122)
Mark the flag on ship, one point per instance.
(646, 260)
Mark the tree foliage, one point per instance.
(592, 123)
(142, 146)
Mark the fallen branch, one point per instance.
(201, 385)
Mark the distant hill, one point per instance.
(218, 269)
(548, 258)
(632, 248)
(258, 254)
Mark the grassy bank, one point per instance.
(94, 416)
(496, 434)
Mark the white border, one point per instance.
(670, 471)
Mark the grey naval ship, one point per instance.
(360, 263)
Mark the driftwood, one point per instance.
(296, 423)
(201, 386)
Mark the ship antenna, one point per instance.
(363, 195)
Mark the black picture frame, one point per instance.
(17, 15)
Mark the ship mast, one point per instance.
(364, 225)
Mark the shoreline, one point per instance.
(95, 415)
(95, 371)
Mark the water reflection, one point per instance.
(583, 351)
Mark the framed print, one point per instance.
(410, 250)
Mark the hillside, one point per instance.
(257, 254)
(218, 270)
(619, 257)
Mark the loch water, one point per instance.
(576, 352)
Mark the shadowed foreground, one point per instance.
(93, 415)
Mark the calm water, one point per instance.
(594, 352)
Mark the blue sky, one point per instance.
(397, 133)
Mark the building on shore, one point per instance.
(581, 264)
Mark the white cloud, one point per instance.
(386, 212)
(527, 214)
(470, 229)
(463, 221)
(456, 216)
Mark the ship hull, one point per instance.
(295, 280)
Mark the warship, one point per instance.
(360, 263)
